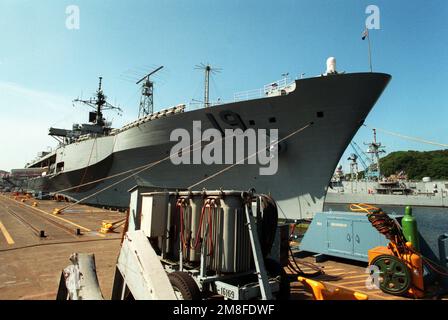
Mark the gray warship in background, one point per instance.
(374, 187)
(98, 165)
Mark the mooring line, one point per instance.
(250, 156)
(187, 150)
(408, 137)
(49, 214)
(143, 167)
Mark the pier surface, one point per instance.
(338, 273)
(31, 265)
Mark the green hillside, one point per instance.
(416, 164)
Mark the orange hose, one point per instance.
(363, 207)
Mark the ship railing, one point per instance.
(156, 115)
(83, 137)
(280, 87)
(248, 95)
(196, 105)
(277, 88)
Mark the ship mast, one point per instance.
(353, 167)
(147, 99)
(207, 86)
(101, 100)
(375, 148)
(99, 103)
(208, 69)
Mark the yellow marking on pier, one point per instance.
(49, 214)
(65, 220)
(6, 234)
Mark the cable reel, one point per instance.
(400, 266)
(394, 276)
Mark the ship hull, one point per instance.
(330, 109)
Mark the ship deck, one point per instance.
(31, 266)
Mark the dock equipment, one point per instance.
(409, 226)
(341, 234)
(398, 267)
(400, 271)
(322, 292)
(110, 226)
(200, 244)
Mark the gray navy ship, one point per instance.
(98, 164)
(375, 188)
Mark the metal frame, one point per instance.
(219, 283)
(144, 274)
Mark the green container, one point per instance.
(410, 231)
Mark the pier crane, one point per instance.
(363, 159)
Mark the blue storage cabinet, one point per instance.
(342, 234)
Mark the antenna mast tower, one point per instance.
(208, 70)
(147, 99)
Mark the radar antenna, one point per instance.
(353, 167)
(99, 103)
(208, 69)
(375, 148)
(147, 99)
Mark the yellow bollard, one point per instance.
(106, 227)
(34, 204)
(56, 211)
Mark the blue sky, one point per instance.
(43, 65)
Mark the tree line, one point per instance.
(416, 164)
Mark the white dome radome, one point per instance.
(331, 65)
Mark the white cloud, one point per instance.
(25, 117)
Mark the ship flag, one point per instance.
(365, 34)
